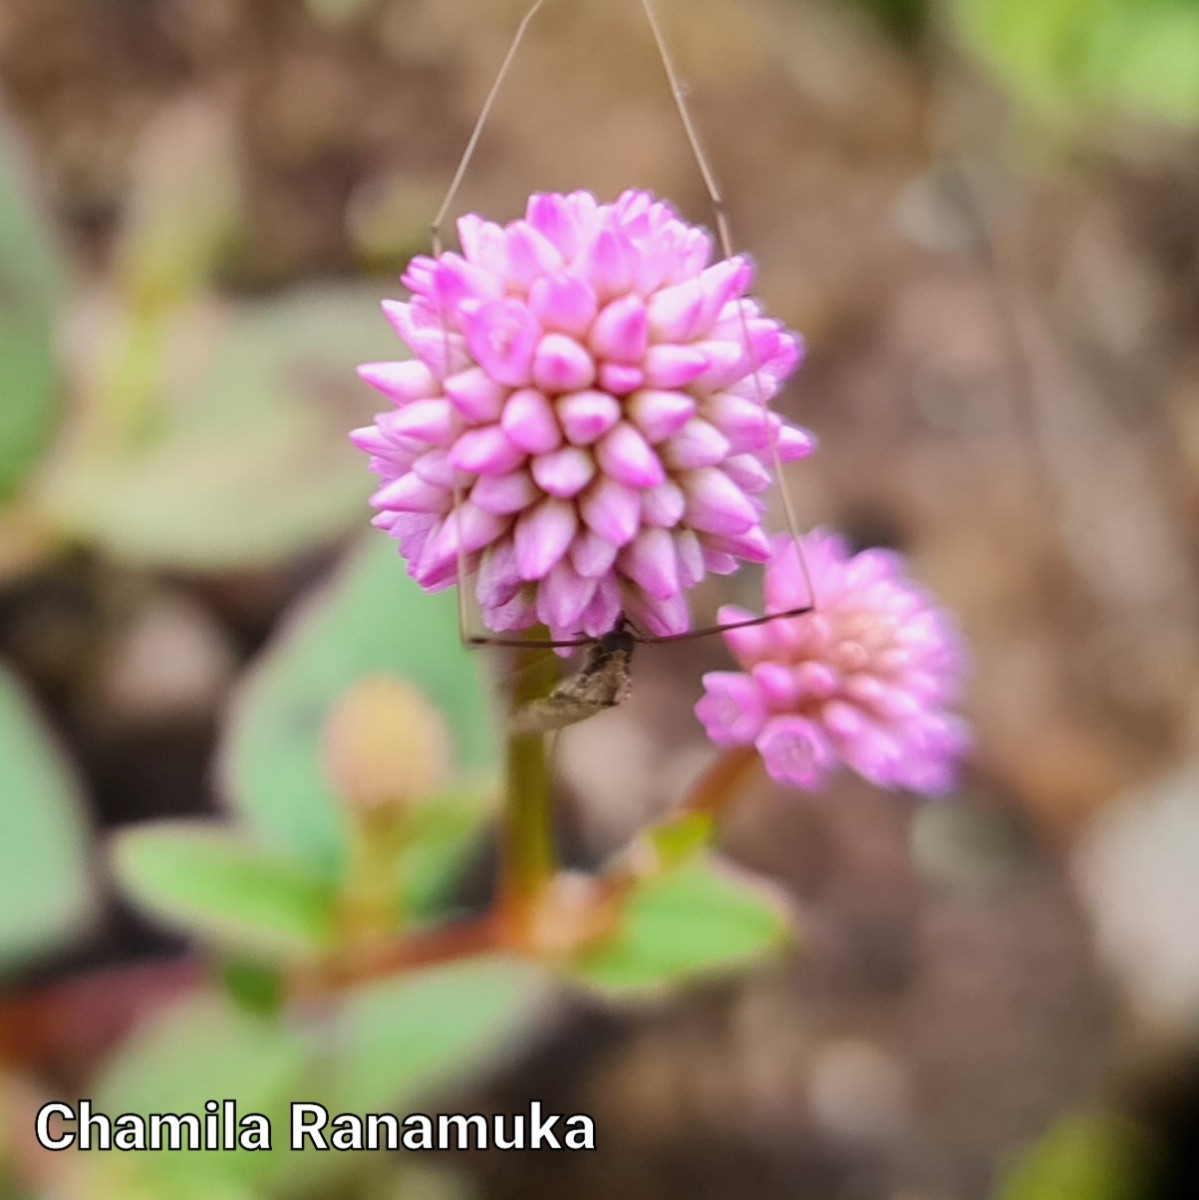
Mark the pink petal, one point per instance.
(795, 443)
(674, 312)
(370, 439)
(429, 420)
(658, 617)
(499, 579)
(502, 336)
(485, 451)
(721, 282)
(560, 364)
(743, 422)
(586, 416)
(621, 331)
(565, 472)
(620, 379)
(562, 598)
(747, 473)
(752, 545)
(649, 560)
(730, 711)
(669, 366)
(475, 395)
(663, 505)
(530, 254)
(482, 243)
(503, 494)
(563, 302)
(659, 414)
(410, 493)
(550, 214)
(529, 422)
(543, 535)
(697, 444)
(441, 349)
(592, 555)
(795, 752)
(434, 467)
(455, 280)
(607, 262)
(776, 684)
(400, 381)
(715, 504)
(624, 455)
(691, 557)
(612, 510)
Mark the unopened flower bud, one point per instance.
(384, 745)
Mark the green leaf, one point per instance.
(370, 618)
(441, 835)
(254, 987)
(697, 920)
(1074, 59)
(45, 877)
(212, 881)
(1099, 1157)
(206, 1049)
(405, 1037)
(31, 278)
(679, 837)
(386, 1046)
(248, 462)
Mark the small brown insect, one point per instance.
(602, 682)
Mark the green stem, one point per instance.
(528, 846)
(370, 912)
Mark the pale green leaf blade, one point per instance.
(45, 876)
(369, 618)
(1098, 1157)
(206, 1049)
(249, 462)
(405, 1037)
(695, 921)
(441, 836)
(31, 277)
(214, 882)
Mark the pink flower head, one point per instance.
(584, 422)
(868, 679)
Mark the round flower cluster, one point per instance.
(584, 422)
(867, 679)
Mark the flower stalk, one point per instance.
(527, 847)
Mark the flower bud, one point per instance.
(384, 745)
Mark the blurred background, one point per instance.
(984, 217)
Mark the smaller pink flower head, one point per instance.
(585, 420)
(868, 679)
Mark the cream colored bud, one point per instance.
(384, 745)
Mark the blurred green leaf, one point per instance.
(183, 202)
(678, 837)
(212, 881)
(207, 1049)
(31, 284)
(253, 986)
(697, 920)
(45, 875)
(369, 618)
(401, 1038)
(250, 463)
(1100, 1157)
(1069, 59)
(385, 1047)
(440, 836)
